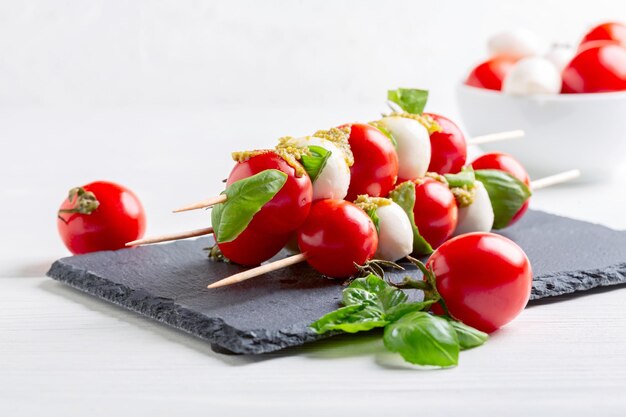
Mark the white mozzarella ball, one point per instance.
(533, 75)
(413, 148)
(334, 179)
(517, 43)
(478, 216)
(560, 56)
(395, 236)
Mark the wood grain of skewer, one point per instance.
(203, 204)
(260, 270)
(496, 137)
(170, 237)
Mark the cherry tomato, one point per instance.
(290, 206)
(336, 235)
(375, 169)
(484, 278)
(491, 73)
(609, 31)
(596, 70)
(435, 211)
(251, 247)
(448, 147)
(505, 162)
(100, 216)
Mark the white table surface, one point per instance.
(65, 353)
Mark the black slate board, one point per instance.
(168, 283)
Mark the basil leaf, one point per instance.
(469, 337)
(245, 198)
(404, 196)
(358, 296)
(391, 297)
(465, 178)
(507, 194)
(375, 219)
(378, 125)
(314, 164)
(350, 319)
(423, 339)
(370, 283)
(400, 310)
(411, 100)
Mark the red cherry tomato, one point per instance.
(375, 169)
(337, 235)
(290, 206)
(505, 162)
(448, 147)
(490, 73)
(596, 69)
(435, 211)
(101, 216)
(484, 278)
(251, 247)
(609, 31)
(594, 44)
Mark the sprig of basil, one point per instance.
(411, 100)
(418, 336)
(378, 125)
(423, 339)
(404, 196)
(246, 198)
(314, 164)
(507, 194)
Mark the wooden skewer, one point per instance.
(260, 270)
(554, 179)
(496, 137)
(175, 236)
(203, 204)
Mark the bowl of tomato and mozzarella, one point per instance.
(569, 101)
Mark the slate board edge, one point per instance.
(223, 337)
(571, 282)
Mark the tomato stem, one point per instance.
(83, 202)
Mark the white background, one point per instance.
(155, 95)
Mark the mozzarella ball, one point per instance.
(560, 56)
(516, 43)
(395, 236)
(478, 216)
(334, 179)
(413, 147)
(533, 75)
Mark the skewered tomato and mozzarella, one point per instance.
(336, 236)
(395, 236)
(375, 168)
(504, 162)
(289, 208)
(333, 159)
(412, 144)
(448, 146)
(475, 215)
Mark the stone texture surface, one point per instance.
(168, 283)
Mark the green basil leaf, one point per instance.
(359, 296)
(378, 125)
(507, 194)
(314, 164)
(423, 339)
(404, 196)
(375, 219)
(469, 337)
(400, 310)
(370, 283)
(411, 100)
(245, 198)
(350, 319)
(391, 297)
(465, 178)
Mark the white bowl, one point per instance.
(565, 131)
